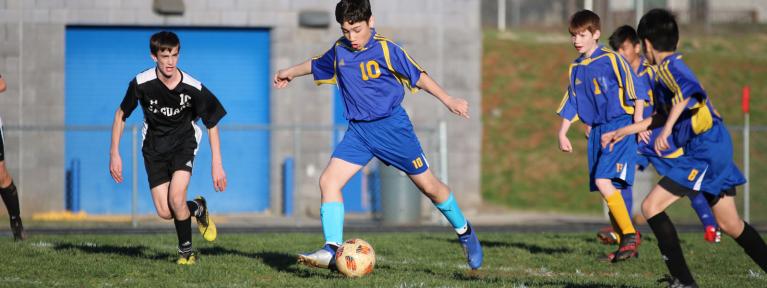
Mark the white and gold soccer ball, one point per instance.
(355, 258)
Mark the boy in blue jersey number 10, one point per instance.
(370, 72)
(602, 95)
(688, 120)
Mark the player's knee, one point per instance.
(649, 209)
(177, 204)
(328, 184)
(732, 227)
(165, 214)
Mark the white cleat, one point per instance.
(324, 258)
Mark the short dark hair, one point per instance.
(623, 34)
(659, 27)
(163, 40)
(584, 20)
(353, 11)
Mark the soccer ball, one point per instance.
(355, 258)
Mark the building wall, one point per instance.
(442, 35)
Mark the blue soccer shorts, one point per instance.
(617, 165)
(390, 139)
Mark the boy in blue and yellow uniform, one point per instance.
(688, 120)
(625, 41)
(602, 95)
(370, 71)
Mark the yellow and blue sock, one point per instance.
(332, 217)
(450, 209)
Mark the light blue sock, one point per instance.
(450, 209)
(332, 217)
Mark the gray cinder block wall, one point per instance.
(444, 36)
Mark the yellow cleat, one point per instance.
(204, 222)
(189, 260)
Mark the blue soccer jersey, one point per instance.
(370, 80)
(677, 83)
(706, 164)
(601, 89)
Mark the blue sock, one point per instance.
(700, 205)
(332, 217)
(628, 198)
(450, 209)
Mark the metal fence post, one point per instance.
(134, 176)
(299, 213)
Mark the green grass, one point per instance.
(404, 260)
(524, 78)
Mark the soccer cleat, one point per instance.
(607, 236)
(187, 259)
(674, 282)
(471, 248)
(712, 234)
(204, 222)
(18, 230)
(323, 258)
(628, 248)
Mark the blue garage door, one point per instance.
(233, 63)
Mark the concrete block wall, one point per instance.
(444, 36)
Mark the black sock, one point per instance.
(753, 245)
(193, 207)
(670, 249)
(184, 233)
(11, 199)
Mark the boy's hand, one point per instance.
(564, 144)
(610, 138)
(282, 78)
(588, 132)
(219, 178)
(116, 167)
(644, 136)
(661, 143)
(458, 106)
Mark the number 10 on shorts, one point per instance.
(418, 163)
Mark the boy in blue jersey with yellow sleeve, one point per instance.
(602, 95)
(370, 71)
(689, 120)
(625, 41)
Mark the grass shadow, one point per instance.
(532, 248)
(280, 261)
(128, 251)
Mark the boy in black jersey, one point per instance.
(172, 101)
(7, 189)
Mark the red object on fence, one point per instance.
(746, 99)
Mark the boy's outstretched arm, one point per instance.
(457, 106)
(612, 137)
(284, 76)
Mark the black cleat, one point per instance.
(18, 229)
(628, 248)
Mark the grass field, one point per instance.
(404, 260)
(524, 78)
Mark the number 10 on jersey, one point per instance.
(370, 70)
